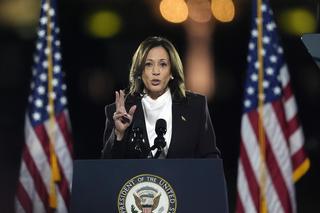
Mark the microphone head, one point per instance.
(161, 127)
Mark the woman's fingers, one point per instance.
(123, 117)
(120, 102)
(132, 110)
(117, 115)
(121, 99)
(117, 101)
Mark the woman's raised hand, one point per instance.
(122, 118)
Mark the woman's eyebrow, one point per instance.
(161, 59)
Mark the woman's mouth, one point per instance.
(155, 82)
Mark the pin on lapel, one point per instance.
(183, 118)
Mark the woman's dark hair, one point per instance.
(176, 84)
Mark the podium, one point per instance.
(149, 185)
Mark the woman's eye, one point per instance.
(148, 64)
(163, 64)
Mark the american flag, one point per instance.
(272, 157)
(46, 167)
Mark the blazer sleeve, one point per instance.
(111, 147)
(206, 147)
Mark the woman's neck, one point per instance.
(156, 95)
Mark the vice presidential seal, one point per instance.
(147, 193)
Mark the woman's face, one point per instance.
(157, 72)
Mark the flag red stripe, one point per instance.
(37, 179)
(298, 158)
(278, 180)
(273, 168)
(239, 205)
(63, 125)
(287, 92)
(250, 176)
(43, 138)
(293, 125)
(64, 187)
(63, 184)
(289, 126)
(24, 198)
(279, 111)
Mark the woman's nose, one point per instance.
(156, 70)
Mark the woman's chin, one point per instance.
(155, 93)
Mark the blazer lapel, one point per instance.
(178, 121)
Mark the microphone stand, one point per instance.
(159, 143)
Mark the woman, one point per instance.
(157, 91)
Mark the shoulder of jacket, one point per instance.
(192, 96)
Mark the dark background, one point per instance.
(96, 67)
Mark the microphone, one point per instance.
(159, 141)
(161, 127)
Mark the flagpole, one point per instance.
(55, 174)
(261, 136)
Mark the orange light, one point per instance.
(175, 11)
(223, 10)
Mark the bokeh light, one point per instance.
(21, 16)
(297, 21)
(174, 11)
(19, 12)
(199, 10)
(96, 84)
(223, 10)
(104, 24)
(199, 61)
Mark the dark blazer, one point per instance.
(192, 131)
